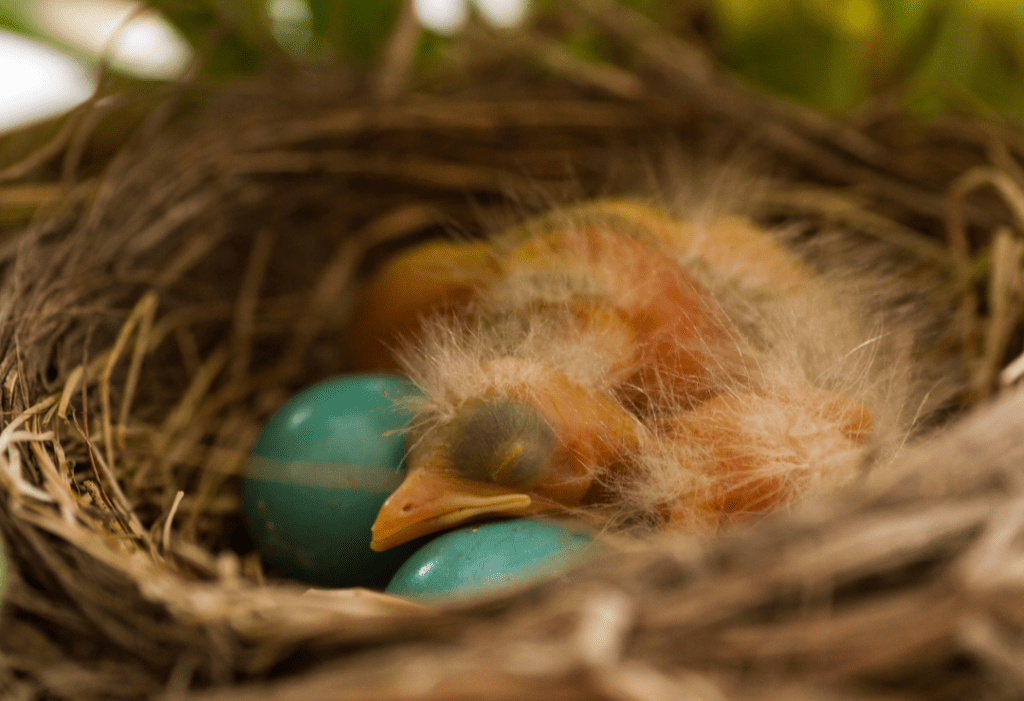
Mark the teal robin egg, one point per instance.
(318, 474)
(489, 558)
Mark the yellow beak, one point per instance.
(429, 501)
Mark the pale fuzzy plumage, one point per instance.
(828, 331)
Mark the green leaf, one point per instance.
(797, 55)
(14, 18)
(355, 29)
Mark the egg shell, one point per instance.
(320, 471)
(488, 558)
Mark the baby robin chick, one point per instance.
(613, 361)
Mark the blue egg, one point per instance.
(487, 558)
(320, 471)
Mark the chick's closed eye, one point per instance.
(502, 441)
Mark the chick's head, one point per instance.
(533, 442)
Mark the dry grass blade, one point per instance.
(846, 211)
(1005, 261)
(399, 55)
(52, 148)
(248, 299)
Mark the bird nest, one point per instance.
(167, 286)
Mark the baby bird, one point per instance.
(617, 363)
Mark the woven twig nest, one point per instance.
(162, 302)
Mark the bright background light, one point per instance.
(442, 16)
(37, 81)
(449, 16)
(142, 44)
(291, 21)
(502, 13)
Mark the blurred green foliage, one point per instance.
(927, 55)
(355, 31)
(837, 54)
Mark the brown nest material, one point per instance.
(161, 299)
